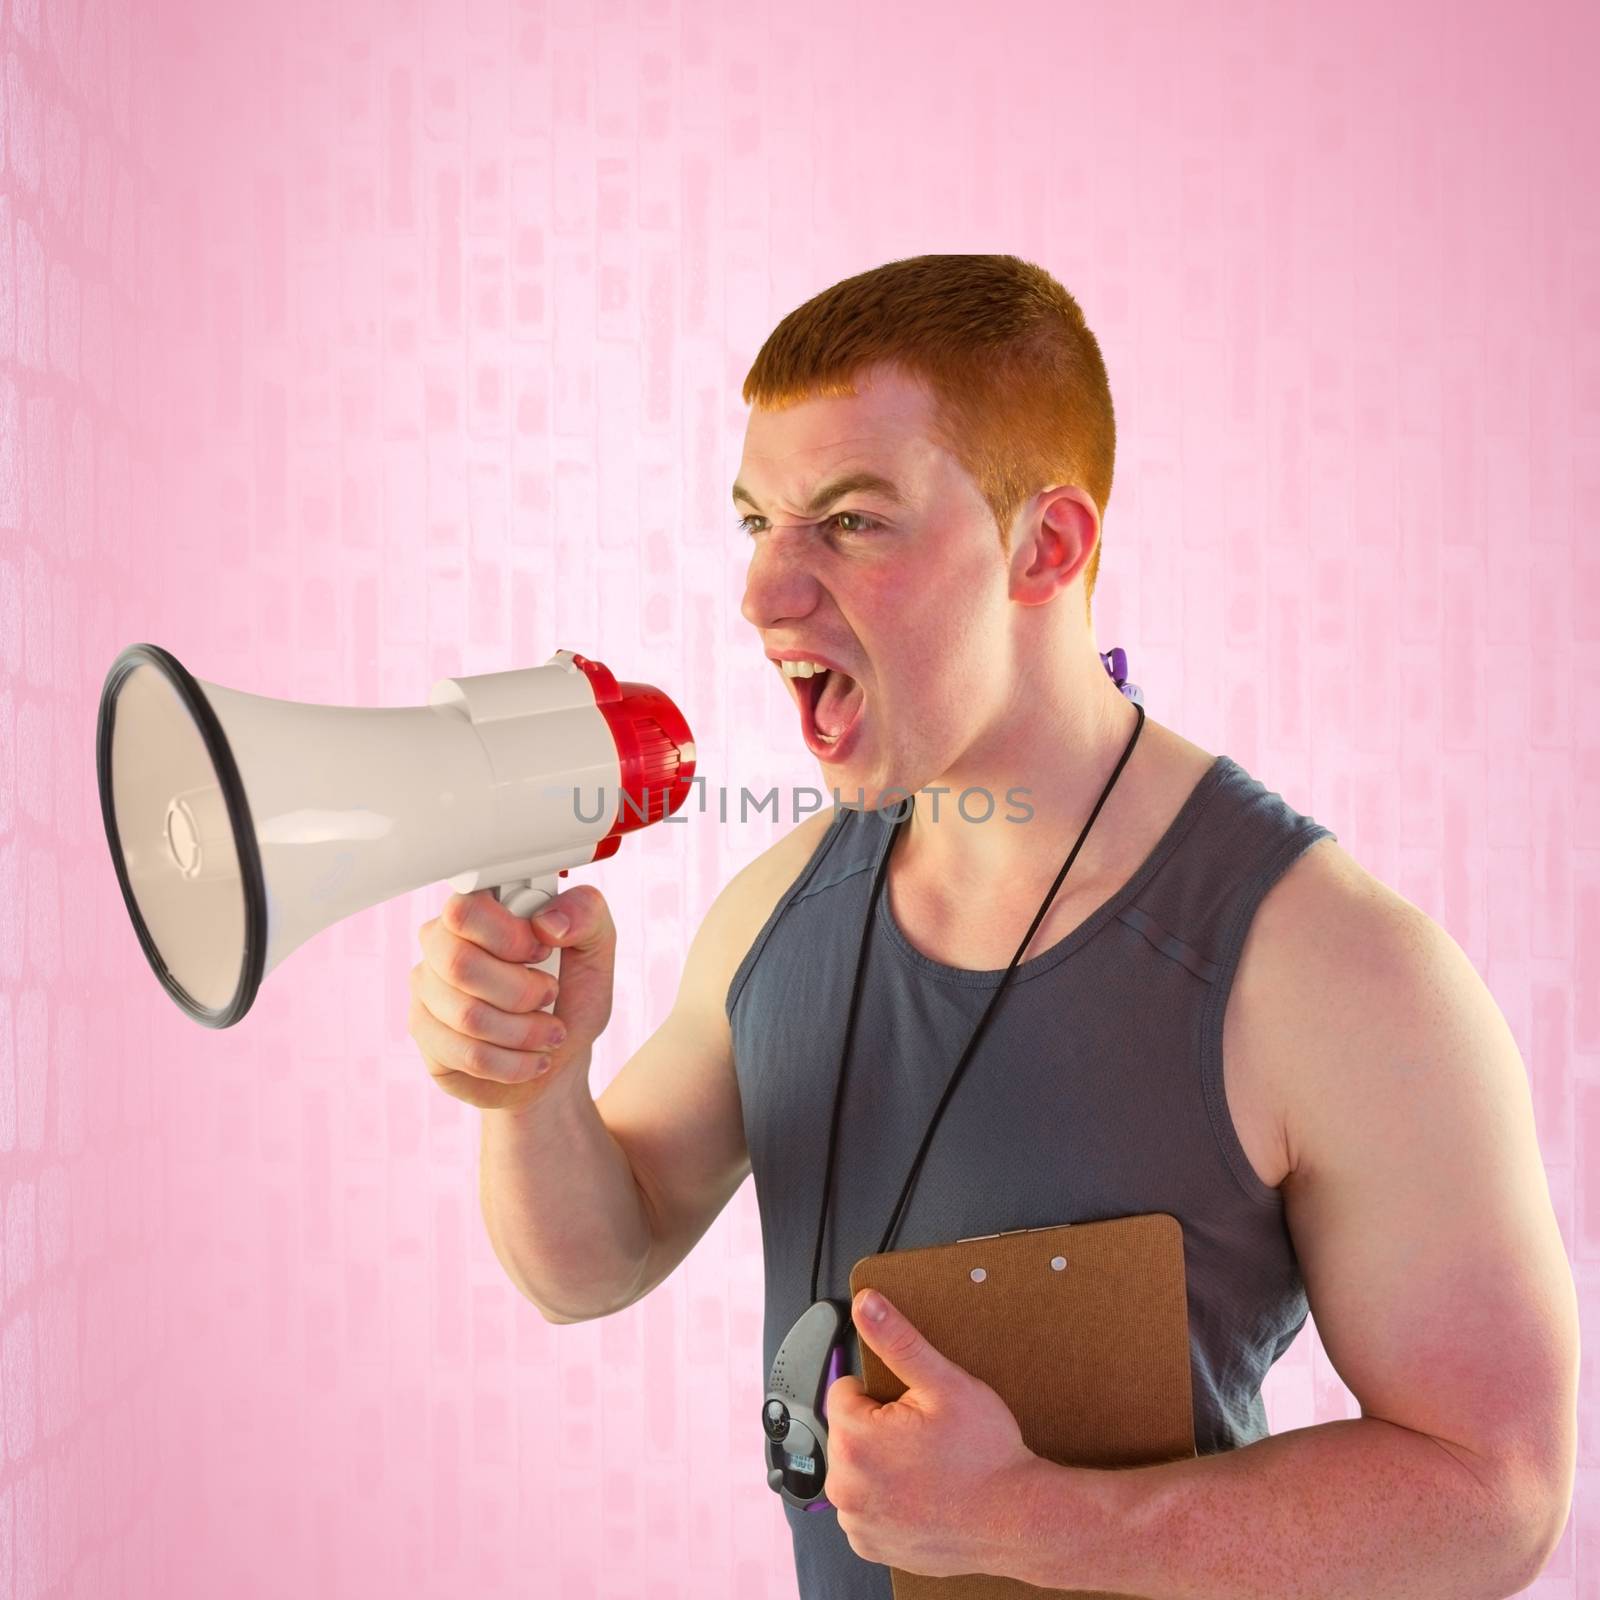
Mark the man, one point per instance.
(1222, 1016)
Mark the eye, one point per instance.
(866, 523)
(860, 516)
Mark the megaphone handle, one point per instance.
(527, 898)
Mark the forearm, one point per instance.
(1356, 1508)
(562, 1208)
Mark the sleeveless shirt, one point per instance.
(1096, 1091)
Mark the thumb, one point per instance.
(898, 1344)
(578, 924)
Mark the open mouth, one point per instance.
(830, 701)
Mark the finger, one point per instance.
(467, 966)
(578, 922)
(480, 918)
(476, 1018)
(902, 1348)
(842, 1398)
(577, 919)
(445, 1050)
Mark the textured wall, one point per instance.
(344, 348)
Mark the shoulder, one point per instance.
(742, 907)
(1338, 968)
(1328, 924)
(755, 889)
(1326, 891)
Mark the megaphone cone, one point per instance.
(240, 825)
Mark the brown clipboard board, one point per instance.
(1091, 1355)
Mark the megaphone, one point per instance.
(240, 825)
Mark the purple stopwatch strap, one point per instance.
(836, 1369)
(1115, 661)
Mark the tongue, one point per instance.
(836, 703)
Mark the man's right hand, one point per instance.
(475, 1006)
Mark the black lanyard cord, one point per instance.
(966, 1055)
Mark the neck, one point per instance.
(1053, 753)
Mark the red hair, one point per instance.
(1020, 396)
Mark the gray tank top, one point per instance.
(1095, 1092)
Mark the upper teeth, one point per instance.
(801, 669)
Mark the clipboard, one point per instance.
(1081, 1328)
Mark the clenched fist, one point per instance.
(476, 1008)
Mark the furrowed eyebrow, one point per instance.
(850, 483)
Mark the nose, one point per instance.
(779, 585)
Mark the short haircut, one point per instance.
(1019, 388)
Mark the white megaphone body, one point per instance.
(240, 826)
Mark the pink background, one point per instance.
(346, 348)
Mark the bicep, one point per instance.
(1419, 1207)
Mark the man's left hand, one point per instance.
(927, 1483)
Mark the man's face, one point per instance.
(906, 598)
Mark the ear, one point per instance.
(1052, 543)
